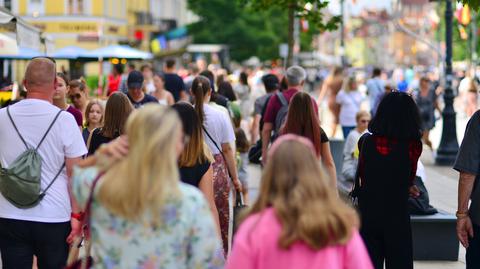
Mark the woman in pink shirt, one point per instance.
(298, 221)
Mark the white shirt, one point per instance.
(219, 126)
(32, 118)
(350, 103)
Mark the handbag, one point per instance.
(255, 153)
(73, 262)
(237, 211)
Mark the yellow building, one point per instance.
(85, 23)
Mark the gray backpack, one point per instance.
(281, 115)
(20, 183)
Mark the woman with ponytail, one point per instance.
(219, 134)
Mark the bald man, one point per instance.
(46, 229)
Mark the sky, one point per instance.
(355, 9)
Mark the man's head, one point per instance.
(135, 85)
(170, 64)
(270, 82)
(295, 76)
(376, 72)
(40, 77)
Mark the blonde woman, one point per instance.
(141, 215)
(298, 216)
(349, 99)
(94, 118)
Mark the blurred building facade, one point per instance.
(96, 23)
(388, 38)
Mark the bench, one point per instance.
(434, 237)
(336, 148)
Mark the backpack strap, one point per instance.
(21, 137)
(15, 127)
(51, 182)
(48, 130)
(282, 99)
(216, 146)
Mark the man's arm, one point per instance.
(266, 133)
(464, 223)
(255, 129)
(75, 223)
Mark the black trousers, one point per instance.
(473, 250)
(20, 240)
(389, 241)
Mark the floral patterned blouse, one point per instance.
(187, 237)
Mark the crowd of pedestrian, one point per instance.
(155, 175)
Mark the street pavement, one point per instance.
(441, 183)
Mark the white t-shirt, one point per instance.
(219, 126)
(32, 118)
(350, 103)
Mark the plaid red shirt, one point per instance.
(384, 146)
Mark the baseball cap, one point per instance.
(135, 80)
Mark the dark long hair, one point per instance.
(194, 152)
(303, 120)
(226, 89)
(397, 117)
(117, 110)
(200, 88)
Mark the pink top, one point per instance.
(256, 246)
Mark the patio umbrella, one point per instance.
(69, 53)
(23, 54)
(118, 51)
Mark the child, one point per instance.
(242, 146)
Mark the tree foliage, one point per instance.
(247, 33)
(474, 4)
(311, 10)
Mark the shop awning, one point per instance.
(8, 45)
(26, 34)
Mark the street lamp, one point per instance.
(447, 151)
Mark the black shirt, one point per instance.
(146, 99)
(174, 84)
(97, 140)
(323, 136)
(193, 175)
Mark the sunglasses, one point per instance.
(75, 96)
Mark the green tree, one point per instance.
(246, 33)
(310, 10)
(475, 4)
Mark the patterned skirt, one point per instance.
(221, 189)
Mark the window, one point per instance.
(6, 4)
(75, 7)
(35, 7)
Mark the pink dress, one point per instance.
(255, 246)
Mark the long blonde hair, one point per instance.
(306, 205)
(148, 175)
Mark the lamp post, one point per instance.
(447, 151)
